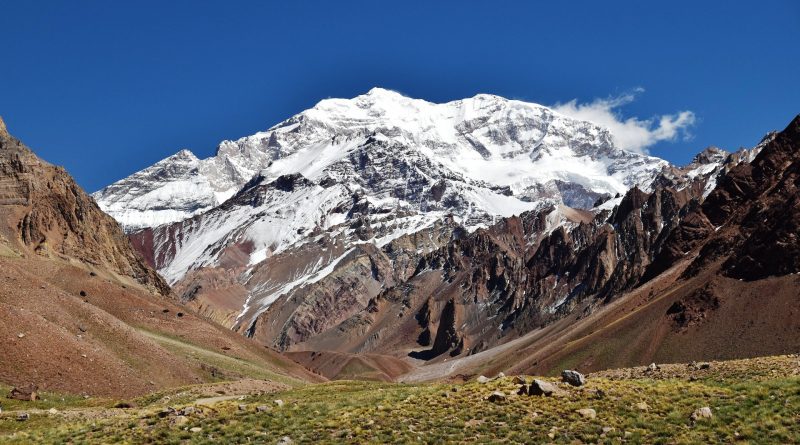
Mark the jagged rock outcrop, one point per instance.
(750, 221)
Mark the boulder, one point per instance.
(181, 420)
(652, 367)
(541, 388)
(642, 406)
(483, 379)
(519, 380)
(574, 378)
(21, 417)
(587, 413)
(196, 429)
(701, 414)
(523, 390)
(262, 408)
(28, 393)
(497, 397)
(278, 402)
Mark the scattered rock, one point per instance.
(195, 429)
(189, 410)
(262, 408)
(181, 420)
(484, 379)
(22, 417)
(285, 440)
(518, 380)
(606, 429)
(701, 414)
(20, 335)
(83, 293)
(587, 413)
(471, 423)
(652, 367)
(523, 390)
(27, 393)
(541, 388)
(52, 411)
(242, 407)
(278, 402)
(703, 365)
(574, 378)
(497, 397)
(501, 375)
(642, 406)
(166, 412)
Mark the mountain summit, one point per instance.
(364, 186)
(499, 156)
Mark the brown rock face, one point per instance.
(99, 331)
(750, 221)
(43, 211)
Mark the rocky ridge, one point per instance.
(45, 212)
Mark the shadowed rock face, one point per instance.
(500, 283)
(751, 221)
(44, 211)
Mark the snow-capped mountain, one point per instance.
(504, 154)
(367, 180)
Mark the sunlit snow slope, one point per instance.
(486, 141)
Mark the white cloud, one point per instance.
(631, 133)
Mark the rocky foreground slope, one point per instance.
(748, 401)
(82, 312)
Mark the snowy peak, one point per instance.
(711, 155)
(485, 149)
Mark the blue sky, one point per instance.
(106, 89)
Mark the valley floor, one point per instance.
(751, 401)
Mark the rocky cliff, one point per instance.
(44, 212)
